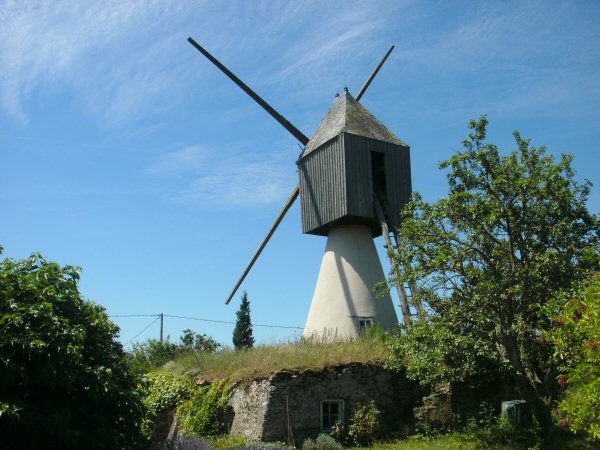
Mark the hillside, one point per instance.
(263, 360)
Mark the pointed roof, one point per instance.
(346, 115)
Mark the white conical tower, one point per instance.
(344, 301)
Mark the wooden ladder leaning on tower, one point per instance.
(381, 211)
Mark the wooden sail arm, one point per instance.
(264, 242)
(373, 75)
(257, 98)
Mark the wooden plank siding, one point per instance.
(336, 183)
(358, 167)
(323, 186)
(399, 184)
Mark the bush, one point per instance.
(502, 432)
(65, 381)
(364, 427)
(205, 413)
(575, 335)
(323, 442)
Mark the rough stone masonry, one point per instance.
(287, 405)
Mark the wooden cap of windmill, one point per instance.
(351, 157)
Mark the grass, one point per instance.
(452, 441)
(470, 441)
(461, 441)
(264, 360)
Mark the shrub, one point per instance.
(64, 379)
(364, 427)
(323, 442)
(575, 335)
(205, 413)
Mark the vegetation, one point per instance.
(511, 236)
(205, 412)
(64, 379)
(263, 360)
(153, 353)
(162, 393)
(363, 429)
(242, 333)
(576, 341)
(323, 442)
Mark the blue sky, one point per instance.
(123, 151)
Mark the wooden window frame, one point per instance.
(364, 327)
(341, 407)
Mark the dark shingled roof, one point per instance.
(346, 115)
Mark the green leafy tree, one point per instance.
(197, 342)
(513, 233)
(242, 334)
(152, 353)
(576, 341)
(65, 382)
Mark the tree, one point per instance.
(64, 379)
(152, 353)
(242, 334)
(196, 342)
(512, 234)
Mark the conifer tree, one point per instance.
(242, 334)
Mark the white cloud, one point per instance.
(199, 176)
(102, 52)
(188, 159)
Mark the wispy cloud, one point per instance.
(200, 176)
(186, 160)
(525, 55)
(102, 52)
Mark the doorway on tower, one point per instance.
(378, 174)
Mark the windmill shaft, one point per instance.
(280, 217)
(278, 117)
(373, 75)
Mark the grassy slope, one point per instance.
(262, 361)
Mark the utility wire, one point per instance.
(233, 323)
(203, 320)
(137, 335)
(135, 315)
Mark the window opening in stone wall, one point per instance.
(364, 325)
(332, 412)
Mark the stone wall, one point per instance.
(249, 404)
(288, 403)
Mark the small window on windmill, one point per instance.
(332, 412)
(378, 173)
(364, 325)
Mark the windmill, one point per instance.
(354, 179)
